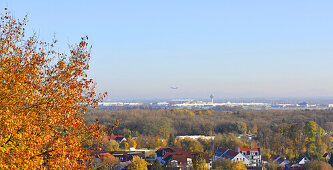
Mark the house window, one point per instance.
(174, 163)
(189, 161)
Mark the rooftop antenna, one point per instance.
(212, 98)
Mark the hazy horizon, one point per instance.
(229, 49)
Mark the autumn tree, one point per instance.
(199, 162)
(107, 162)
(240, 127)
(191, 145)
(124, 145)
(223, 164)
(316, 164)
(239, 166)
(156, 165)
(138, 163)
(127, 133)
(111, 145)
(110, 161)
(131, 143)
(43, 97)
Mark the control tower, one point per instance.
(212, 98)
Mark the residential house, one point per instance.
(122, 155)
(327, 156)
(196, 137)
(230, 154)
(119, 139)
(177, 158)
(252, 154)
(283, 162)
(300, 162)
(160, 153)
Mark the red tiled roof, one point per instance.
(249, 149)
(175, 153)
(171, 149)
(162, 151)
(114, 137)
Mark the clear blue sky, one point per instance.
(227, 48)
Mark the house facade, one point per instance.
(282, 161)
(252, 154)
(230, 154)
(177, 158)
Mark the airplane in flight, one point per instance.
(174, 87)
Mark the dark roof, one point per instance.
(121, 155)
(220, 151)
(301, 157)
(230, 154)
(227, 153)
(118, 153)
(280, 160)
(273, 157)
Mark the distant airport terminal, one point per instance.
(191, 103)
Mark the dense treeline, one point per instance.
(206, 122)
(289, 133)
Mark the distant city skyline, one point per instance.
(225, 48)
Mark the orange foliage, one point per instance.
(43, 97)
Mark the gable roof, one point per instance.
(181, 157)
(227, 153)
(230, 154)
(301, 158)
(274, 157)
(163, 151)
(117, 138)
(222, 150)
(171, 149)
(280, 160)
(325, 155)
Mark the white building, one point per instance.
(230, 154)
(252, 154)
